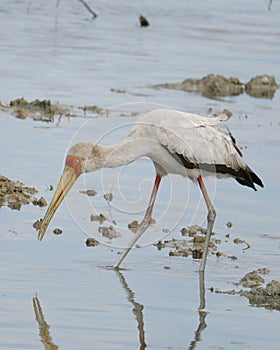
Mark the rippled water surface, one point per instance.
(58, 293)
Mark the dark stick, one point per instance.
(94, 15)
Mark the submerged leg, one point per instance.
(144, 224)
(210, 222)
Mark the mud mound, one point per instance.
(215, 86)
(261, 86)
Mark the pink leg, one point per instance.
(144, 224)
(210, 223)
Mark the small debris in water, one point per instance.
(143, 21)
(37, 224)
(108, 232)
(119, 91)
(93, 108)
(108, 196)
(218, 254)
(229, 224)
(133, 226)
(92, 242)
(89, 193)
(57, 231)
(232, 257)
(165, 230)
(192, 231)
(41, 202)
(179, 252)
(240, 241)
(100, 218)
(197, 254)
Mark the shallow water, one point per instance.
(59, 53)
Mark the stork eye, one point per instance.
(76, 161)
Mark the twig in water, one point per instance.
(94, 15)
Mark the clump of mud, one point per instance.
(92, 242)
(267, 296)
(15, 194)
(41, 202)
(42, 110)
(57, 231)
(261, 86)
(214, 86)
(133, 226)
(108, 232)
(37, 224)
(94, 109)
(90, 193)
(193, 247)
(100, 218)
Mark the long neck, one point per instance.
(117, 155)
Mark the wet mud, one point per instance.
(57, 231)
(108, 232)
(100, 218)
(90, 193)
(92, 242)
(14, 194)
(257, 292)
(194, 246)
(37, 224)
(133, 226)
(215, 86)
(261, 86)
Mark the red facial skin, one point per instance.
(74, 163)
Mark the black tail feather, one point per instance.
(245, 177)
(248, 178)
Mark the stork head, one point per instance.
(75, 165)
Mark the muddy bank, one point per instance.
(214, 86)
(14, 194)
(267, 296)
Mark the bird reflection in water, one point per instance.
(44, 328)
(137, 309)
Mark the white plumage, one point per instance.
(195, 137)
(177, 142)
